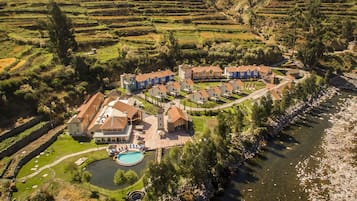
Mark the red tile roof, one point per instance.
(217, 90)
(176, 85)
(238, 82)
(176, 113)
(152, 75)
(123, 107)
(114, 123)
(207, 69)
(263, 69)
(162, 88)
(228, 86)
(189, 82)
(203, 93)
(89, 108)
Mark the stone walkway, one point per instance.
(56, 162)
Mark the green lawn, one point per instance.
(148, 107)
(64, 145)
(58, 172)
(253, 85)
(208, 104)
(205, 85)
(26, 188)
(200, 123)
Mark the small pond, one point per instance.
(103, 171)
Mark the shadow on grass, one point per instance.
(82, 138)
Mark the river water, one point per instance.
(272, 174)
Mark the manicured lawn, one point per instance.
(25, 189)
(148, 107)
(200, 123)
(58, 172)
(205, 85)
(208, 104)
(64, 145)
(251, 86)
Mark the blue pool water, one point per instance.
(130, 158)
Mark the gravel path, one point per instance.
(56, 162)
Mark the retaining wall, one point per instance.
(33, 121)
(13, 148)
(36, 152)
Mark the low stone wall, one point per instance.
(9, 133)
(13, 148)
(36, 152)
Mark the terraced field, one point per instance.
(109, 25)
(277, 10)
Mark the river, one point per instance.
(272, 174)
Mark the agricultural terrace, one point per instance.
(112, 25)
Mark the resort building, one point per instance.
(79, 123)
(199, 97)
(114, 122)
(177, 119)
(237, 85)
(201, 73)
(226, 89)
(247, 72)
(158, 91)
(173, 88)
(132, 82)
(187, 85)
(214, 93)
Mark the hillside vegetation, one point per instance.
(128, 36)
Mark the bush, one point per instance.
(131, 176)
(119, 177)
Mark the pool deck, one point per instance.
(154, 141)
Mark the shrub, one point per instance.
(131, 176)
(119, 177)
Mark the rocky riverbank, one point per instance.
(295, 112)
(331, 173)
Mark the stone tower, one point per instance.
(160, 119)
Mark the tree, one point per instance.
(160, 179)
(61, 33)
(239, 118)
(223, 124)
(170, 51)
(256, 115)
(119, 177)
(293, 22)
(86, 176)
(131, 176)
(347, 29)
(313, 47)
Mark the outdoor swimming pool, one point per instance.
(130, 158)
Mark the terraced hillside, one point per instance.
(128, 35)
(109, 25)
(275, 11)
